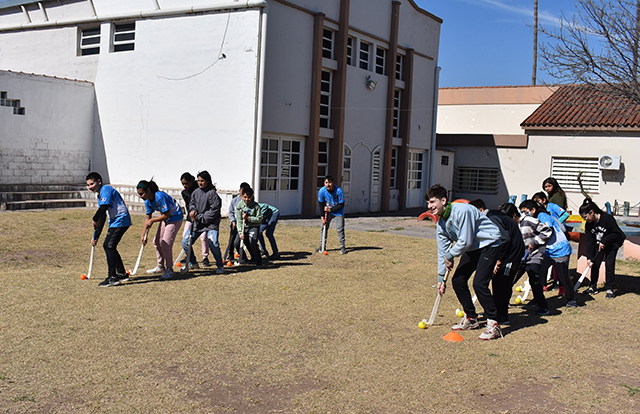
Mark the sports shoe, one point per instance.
(275, 256)
(343, 250)
(319, 250)
(542, 311)
(157, 269)
(167, 275)
(264, 253)
(610, 294)
(466, 324)
(205, 262)
(110, 281)
(220, 271)
(591, 290)
(571, 304)
(123, 277)
(192, 266)
(491, 331)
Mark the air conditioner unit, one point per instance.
(609, 162)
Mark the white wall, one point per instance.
(172, 104)
(51, 143)
(483, 119)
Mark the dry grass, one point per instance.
(310, 334)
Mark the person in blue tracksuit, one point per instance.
(112, 206)
(331, 199)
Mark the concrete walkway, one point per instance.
(404, 223)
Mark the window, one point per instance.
(477, 180)
(350, 42)
(279, 163)
(416, 160)
(124, 36)
(327, 43)
(380, 59)
(444, 160)
(396, 113)
(394, 167)
(566, 170)
(365, 51)
(325, 99)
(323, 162)
(346, 166)
(399, 62)
(89, 41)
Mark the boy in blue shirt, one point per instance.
(463, 231)
(331, 201)
(111, 205)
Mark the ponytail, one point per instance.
(588, 205)
(148, 185)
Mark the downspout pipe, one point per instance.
(434, 122)
(257, 146)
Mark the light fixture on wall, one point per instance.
(371, 84)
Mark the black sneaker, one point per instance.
(571, 304)
(110, 281)
(205, 262)
(591, 290)
(123, 277)
(275, 256)
(544, 311)
(610, 294)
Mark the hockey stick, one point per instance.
(175, 263)
(323, 242)
(436, 304)
(93, 249)
(135, 269)
(584, 274)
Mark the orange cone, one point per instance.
(452, 336)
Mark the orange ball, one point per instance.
(237, 255)
(229, 263)
(326, 253)
(83, 277)
(129, 272)
(178, 264)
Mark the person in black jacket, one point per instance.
(604, 238)
(509, 258)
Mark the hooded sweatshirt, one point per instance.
(206, 203)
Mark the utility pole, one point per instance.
(535, 41)
(636, 42)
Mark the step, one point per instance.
(42, 204)
(30, 188)
(40, 195)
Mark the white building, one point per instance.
(276, 93)
(507, 140)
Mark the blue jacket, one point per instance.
(469, 229)
(558, 245)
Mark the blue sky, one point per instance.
(490, 42)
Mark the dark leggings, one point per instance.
(561, 264)
(533, 270)
(502, 288)
(481, 261)
(114, 261)
(233, 233)
(610, 253)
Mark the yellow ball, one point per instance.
(422, 325)
(518, 300)
(459, 313)
(518, 288)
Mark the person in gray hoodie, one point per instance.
(465, 232)
(204, 211)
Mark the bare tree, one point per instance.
(598, 47)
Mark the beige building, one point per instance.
(507, 140)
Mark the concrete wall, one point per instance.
(173, 104)
(51, 142)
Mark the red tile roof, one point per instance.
(582, 107)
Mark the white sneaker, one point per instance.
(491, 331)
(186, 268)
(157, 269)
(466, 324)
(167, 275)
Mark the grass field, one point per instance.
(307, 334)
